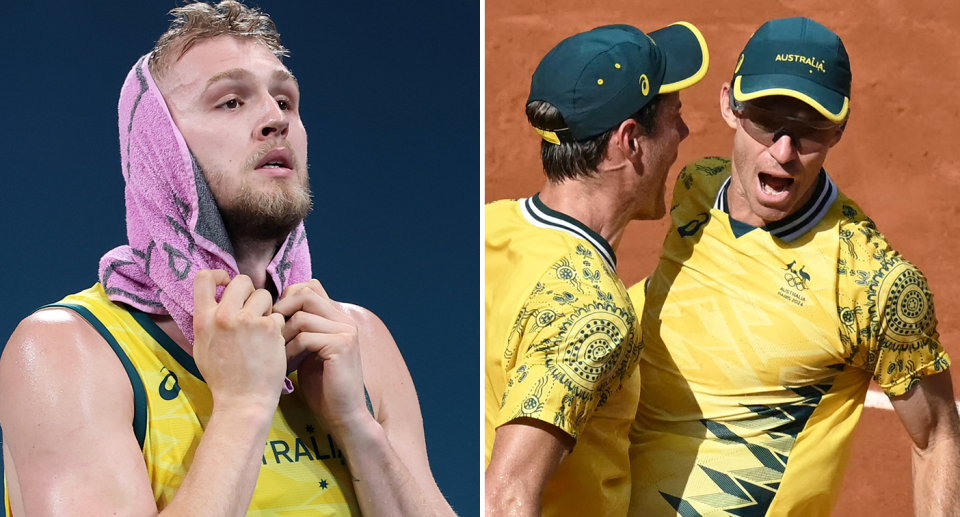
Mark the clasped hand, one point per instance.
(243, 342)
(331, 376)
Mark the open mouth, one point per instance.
(774, 185)
(279, 158)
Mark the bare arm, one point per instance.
(64, 401)
(386, 455)
(67, 406)
(929, 414)
(526, 453)
(239, 350)
(390, 453)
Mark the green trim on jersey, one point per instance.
(3, 473)
(741, 228)
(168, 344)
(542, 216)
(789, 228)
(139, 394)
(182, 357)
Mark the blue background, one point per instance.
(390, 98)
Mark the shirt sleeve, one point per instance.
(638, 295)
(887, 313)
(575, 341)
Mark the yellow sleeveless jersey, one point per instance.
(303, 471)
(760, 344)
(562, 344)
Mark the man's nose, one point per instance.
(274, 120)
(783, 148)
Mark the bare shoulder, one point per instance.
(56, 342)
(64, 398)
(384, 369)
(375, 340)
(369, 325)
(54, 352)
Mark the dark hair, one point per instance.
(571, 160)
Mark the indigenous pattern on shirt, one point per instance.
(760, 344)
(303, 471)
(562, 344)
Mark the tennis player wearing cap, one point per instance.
(562, 338)
(775, 302)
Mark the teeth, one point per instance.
(773, 185)
(272, 165)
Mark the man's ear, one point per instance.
(627, 139)
(725, 110)
(840, 130)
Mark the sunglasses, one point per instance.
(766, 127)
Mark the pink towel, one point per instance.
(173, 224)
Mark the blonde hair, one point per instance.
(197, 21)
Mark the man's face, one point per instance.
(778, 150)
(237, 107)
(659, 154)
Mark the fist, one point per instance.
(238, 342)
(326, 338)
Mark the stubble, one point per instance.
(262, 213)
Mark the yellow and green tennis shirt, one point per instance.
(562, 344)
(760, 344)
(303, 471)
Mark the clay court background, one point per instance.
(899, 158)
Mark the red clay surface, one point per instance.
(899, 158)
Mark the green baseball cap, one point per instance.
(799, 58)
(598, 79)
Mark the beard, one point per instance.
(262, 214)
(266, 216)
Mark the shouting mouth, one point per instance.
(774, 186)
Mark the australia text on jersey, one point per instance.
(279, 448)
(283, 449)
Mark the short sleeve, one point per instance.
(575, 341)
(887, 313)
(638, 294)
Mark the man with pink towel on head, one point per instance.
(207, 373)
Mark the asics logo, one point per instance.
(171, 392)
(693, 226)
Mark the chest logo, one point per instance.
(693, 226)
(169, 390)
(796, 279)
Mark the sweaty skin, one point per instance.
(65, 398)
